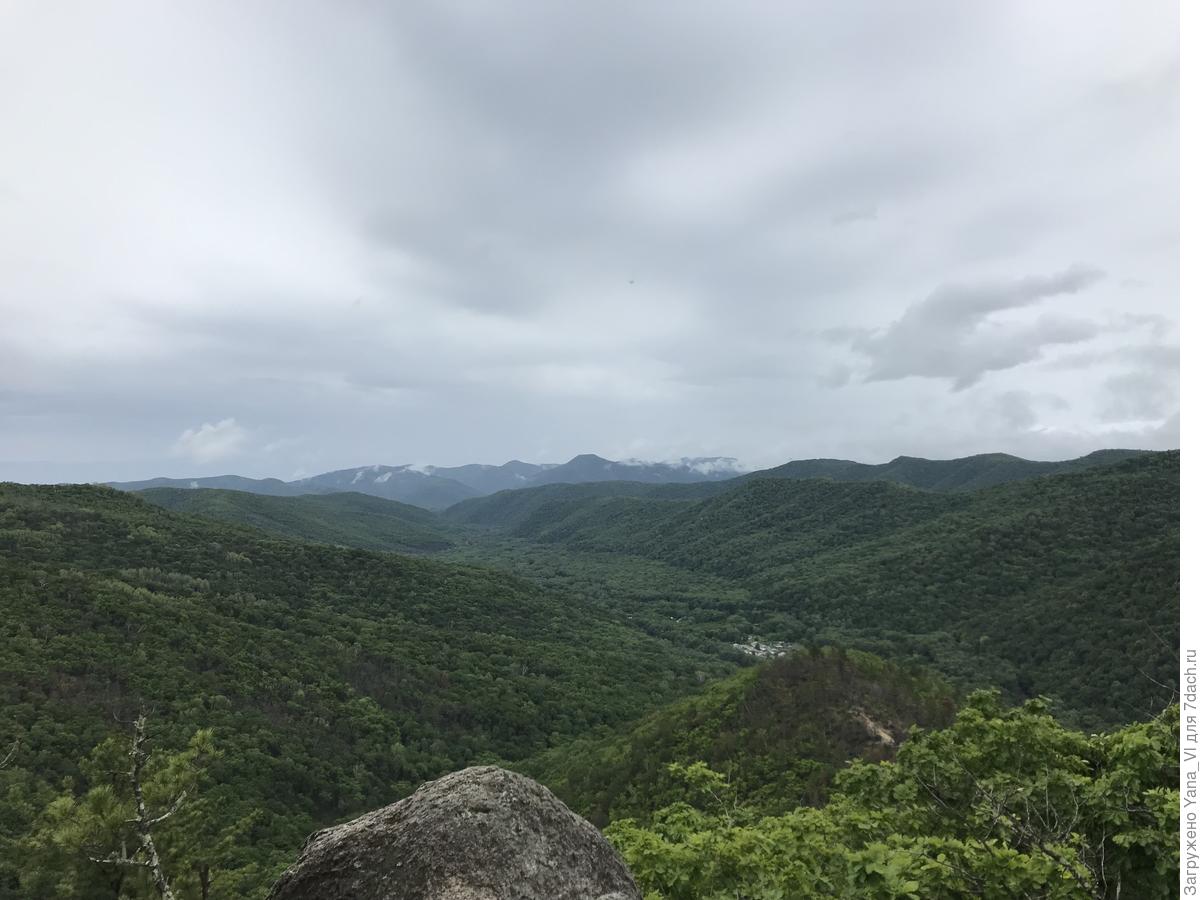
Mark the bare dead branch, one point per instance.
(1165, 687)
(174, 808)
(146, 855)
(118, 860)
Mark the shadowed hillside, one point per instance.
(969, 473)
(333, 680)
(778, 732)
(505, 509)
(1038, 585)
(348, 519)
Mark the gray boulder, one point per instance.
(482, 833)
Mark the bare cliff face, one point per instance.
(482, 833)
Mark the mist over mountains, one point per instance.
(438, 487)
(441, 487)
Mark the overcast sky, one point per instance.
(280, 237)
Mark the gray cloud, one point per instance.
(855, 214)
(1016, 409)
(1140, 395)
(1022, 411)
(949, 333)
(1155, 357)
(468, 231)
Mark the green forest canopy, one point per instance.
(294, 683)
(333, 680)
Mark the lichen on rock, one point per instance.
(482, 833)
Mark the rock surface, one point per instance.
(482, 833)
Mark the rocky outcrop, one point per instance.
(478, 834)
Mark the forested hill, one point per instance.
(334, 680)
(510, 510)
(970, 473)
(317, 681)
(778, 732)
(746, 530)
(1066, 585)
(347, 519)
(1004, 803)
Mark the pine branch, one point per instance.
(146, 856)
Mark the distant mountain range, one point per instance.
(438, 487)
(969, 473)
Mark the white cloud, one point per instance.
(212, 442)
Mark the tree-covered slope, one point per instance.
(271, 487)
(777, 732)
(346, 519)
(754, 528)
(505, 509)
(967, 473)
(1065, 585)
(509, 510)
(403, 484)
(334, 680)
(1005, 803)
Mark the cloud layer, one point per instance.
(953, 333)
(464, 231)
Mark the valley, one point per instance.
(339, 648)
(551, 451)
(983, 584)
